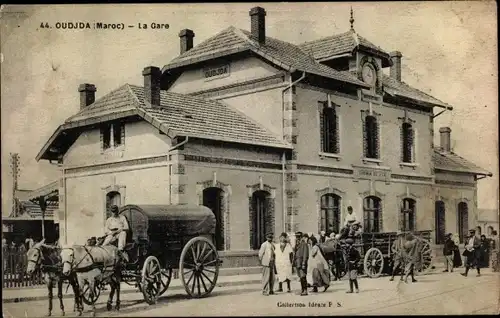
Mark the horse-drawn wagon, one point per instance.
(377, 251)
(162, 238)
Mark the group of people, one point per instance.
(477, 252)
(306, 257)
(311, 267)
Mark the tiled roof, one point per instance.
(283, 54)
(450, 161)
(178, 115)
(395, 87)
(338, 44)
(197, 117)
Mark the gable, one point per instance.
(219, 74)
(141, 140)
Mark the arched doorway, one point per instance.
(330, 213)
(212, 199)
(440, 221)
(463, 220)
(112, 198)
(260, 215)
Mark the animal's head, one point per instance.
(35, 257)
(67, 259)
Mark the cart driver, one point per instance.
(116, 228)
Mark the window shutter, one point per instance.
(402, 215)
(101, 137)
(411, 144)
(322, 127)
(380, 216)
(365, 139)
(122, 129)
(403, 141)
(337, 133)
(332, 129)
(376, 142)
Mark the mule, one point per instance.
(94, 266)
(47, 259)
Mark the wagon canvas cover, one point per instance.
(172, 220)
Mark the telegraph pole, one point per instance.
(14, 164)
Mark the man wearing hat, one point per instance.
(300, 260)
(116, 229)
(398, 255)
(267, 259)
(353, 258)
(448, 248)
(472, 252)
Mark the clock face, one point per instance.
(368, 74)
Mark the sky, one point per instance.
(449, 51)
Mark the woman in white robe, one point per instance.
(284, 260)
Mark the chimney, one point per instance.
(258, 24)
(396, 65)
(445, 138)
(152, 76)
(186, 37)
(87, 94)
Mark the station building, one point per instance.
(270, 135)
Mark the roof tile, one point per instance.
(452, 162)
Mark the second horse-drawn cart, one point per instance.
(163, 238)
(377, 252)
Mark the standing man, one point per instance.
(300, 260)
(399, 256)
(353, 257)
(448, 249)
(322, 237)
(412, 251)
(267, 260)
(472, 252)
(116, 229)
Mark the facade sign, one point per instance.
(211, 73)
(368, 173)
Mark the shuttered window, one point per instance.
(112, 135)
(371, 137)
(330, 213)
(407, 143)
(372, 214)
(329, 129)
(407, 217)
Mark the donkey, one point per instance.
(94, 265)
(47, 259)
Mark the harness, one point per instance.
(93, 265)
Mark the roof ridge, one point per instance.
(134, 95)
(324, 38)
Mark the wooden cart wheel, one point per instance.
(373, 263)
(151, 280)
(86, 297)
(166, 277)
(426, 259)
(199, 267)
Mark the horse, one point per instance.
(47, 259)
(94, 266)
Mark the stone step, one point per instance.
(240, 271)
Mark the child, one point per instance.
(353, 258)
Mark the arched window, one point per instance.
(407, 216)
(112, 198)
(330, 213)
(490, 230)
(372, 211)
(260, 215)
(371, 138)
(407, 136)
(463, 220)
